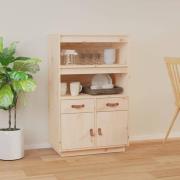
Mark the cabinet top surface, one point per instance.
(90, 38)
(91, 35)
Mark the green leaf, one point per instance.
(12, 48)
(21, 58)
(2, 69)
(28, 85)
(6, 56)
(18, 75)
(6, 96)
(1, 44)
(31, 65)
(2, 80)
(17, 86)
(3, 76)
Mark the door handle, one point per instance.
(100, 132)
(91, 132)
(78, 106)
(112, 104)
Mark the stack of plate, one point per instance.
(101, 84)
(101, 81)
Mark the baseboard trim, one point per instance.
(154, 138)
(37, 146)
(133, 140)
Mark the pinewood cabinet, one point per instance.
(86, 124)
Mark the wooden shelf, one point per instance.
(87, 96)
(93, 69)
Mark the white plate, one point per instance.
(101, 80)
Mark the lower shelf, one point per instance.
(92, 151)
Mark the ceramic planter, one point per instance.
(11, 145)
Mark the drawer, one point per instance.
(112, 104)
(77, 106)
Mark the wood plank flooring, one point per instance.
(146, 161)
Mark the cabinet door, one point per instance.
(77, 131)
(112, 128)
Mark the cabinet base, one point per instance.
(92, 151)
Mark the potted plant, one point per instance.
(15, 79)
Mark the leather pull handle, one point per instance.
(100, 132)
(78, 106)
(91, 132)
(112, 104)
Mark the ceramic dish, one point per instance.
(101, 80)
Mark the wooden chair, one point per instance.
(173, 66)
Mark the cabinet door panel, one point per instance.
(75, 131)
(112, 128)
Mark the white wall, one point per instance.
(154, 30)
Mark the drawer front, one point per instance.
(112, 104)
(77, 106)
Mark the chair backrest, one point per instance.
(173, 66)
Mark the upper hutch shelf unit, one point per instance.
(87, 124)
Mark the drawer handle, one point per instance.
(112, 104)
(78, 106)
(91, 132)
(100, 131)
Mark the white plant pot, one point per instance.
(11, 145)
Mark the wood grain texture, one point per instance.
(83, 105)
(146, 161)
(93, 38)
(94, 70)
(76, 131)
(54, 90)
(112, 131)
(112, 104)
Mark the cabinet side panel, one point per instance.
(53, 89)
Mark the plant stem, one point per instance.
(15, 105)
(9, 118)
(15, 117)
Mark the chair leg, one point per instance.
(172, 123)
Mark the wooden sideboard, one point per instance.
(87, 124)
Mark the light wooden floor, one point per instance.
(151, 161)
